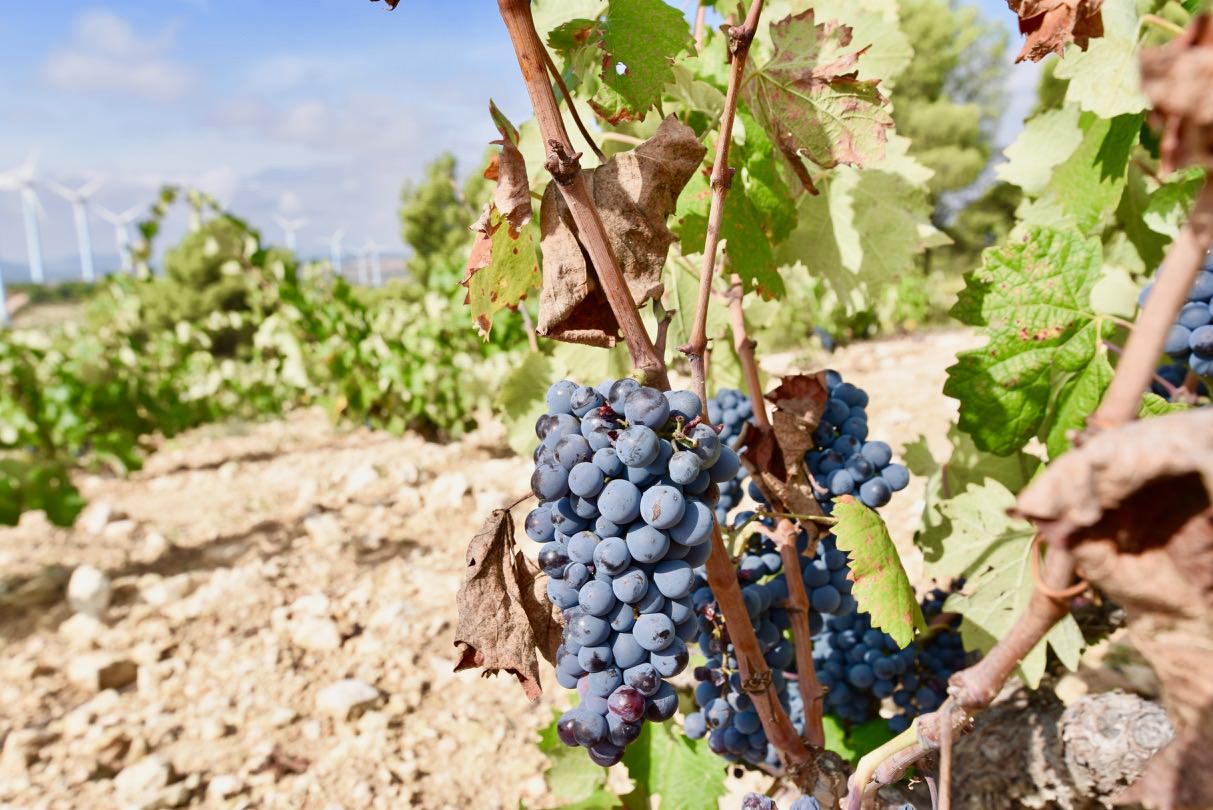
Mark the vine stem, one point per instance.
(755, 674)
(740, 38)
(562, 163)
(1145, 344)
(811, 693)
(744, 345)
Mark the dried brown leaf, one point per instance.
(775, 456)
(1176, 77)
(635, 192)
(513, 193)
(503, 613)
(1050, 25)
(1135, 506)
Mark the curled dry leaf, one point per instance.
(775, 456)
(1050, 25)
(503, 615)
(634, 192)
(1176, 77)
(1135, 506)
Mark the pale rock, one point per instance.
(228, 470)
(407, 502)
(140, 784)
(390, 615)
(119, 530)
(224, 786)
(19, 751)
(446, 492)
(359, 479)
(312, 604)
(315, 633)
(81, 631)
(489, 499)
(283, 716)
(324, 529)
(88, 590)
(96, 516)
(407, 471)
(155, 546)
(159, 591)
(347, 699)
(102, 670)
(213, 728)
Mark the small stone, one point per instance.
(359, 479)
(407, 472)
(447, 491)
(159, 592)
(312, 604)
(81, 630)
(139, 784)
(347, 699)
(283, 717)
(96, 516)
(155, 546)
(316, 634)
(212, 728)
(17, 754)
(324, 529)
(102, 670)
(88, 591)
(224, 786)
(119, 530)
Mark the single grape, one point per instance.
(605, 753)
(619, 501)
(594, 659)
(652, 601)
(638, 446)
(627, 703)
(553, 558)
(576, 575)
(673, 578)
(646, 544)
(875, 493)
(756, 801)
(596, 598)
(584, 400)
(559, 395)
(684, 467)
(695, 526)
(706, 444)
(549, 481)
(619, 393)
(896, 476)
(1176, 344)
(684, 404)
(695, 726)
(644, 678)
(630, 586)
(661, 706)
(588, 630)
(604, 682)
(611, 556)
(662, 506)
(561, 594)
(539, 524)
(572, 450)
(586, 480)
(621, 733)
(672, 660)
(582, 546)
(654, 631)
(1201, 341)
(1193, 316)
(587, 727)
(647, 406)
(627, 652)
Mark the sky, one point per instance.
(305, 109)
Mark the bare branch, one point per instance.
(568, 99)
(722, 176)
(562, 163)
(744, 345)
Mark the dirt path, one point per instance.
(281, 622)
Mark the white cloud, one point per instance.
(107, 55)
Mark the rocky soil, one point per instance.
(263, 617)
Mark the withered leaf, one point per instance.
(503, 614)
(635, 192)
(1135, 507)
(775, 456)
(1050, 25)
(1176, 77)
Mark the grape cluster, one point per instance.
(1189, 343)
(858, 666)
(730, 409)
(627, 479)
(938, 655)
(843, 461)
(756, 801)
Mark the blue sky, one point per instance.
(316, 109)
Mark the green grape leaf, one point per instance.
(640, 39)
(881, 588)
(811, 101)
(1168, 206)
(1076, 400)
(520, 400)
(1154, 405)
(990, 550)
(1031, 296)
(502, 267)
(1087, 187)
(864, 229)
(876, 28)
(571, 775)
(743, 229)
(1047, 139)
(1105, 79)
(666, 763)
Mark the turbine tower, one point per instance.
(79, 201)
(22, 179)
(335, 249)
(361, 255)
(289, 228)
(122, 233)
(371, 248)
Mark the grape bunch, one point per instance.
(858, 666)
(627, 478)
(938, 655)
(843, 461)
(730, 409)
(756, 801)
(1189, 343)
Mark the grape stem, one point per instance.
(1145, 344)
(745, 345)
(824, 520)
(740, 38)
(811, 693)
(564, 166)
(755, 674)
(568, 98)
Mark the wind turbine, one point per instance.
(79, 201)
(22, 179)
(289, 227)
(361, 254)
(122, 233)
(335, 249)
(372, 249)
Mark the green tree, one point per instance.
(948, 99)
(435, 214)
